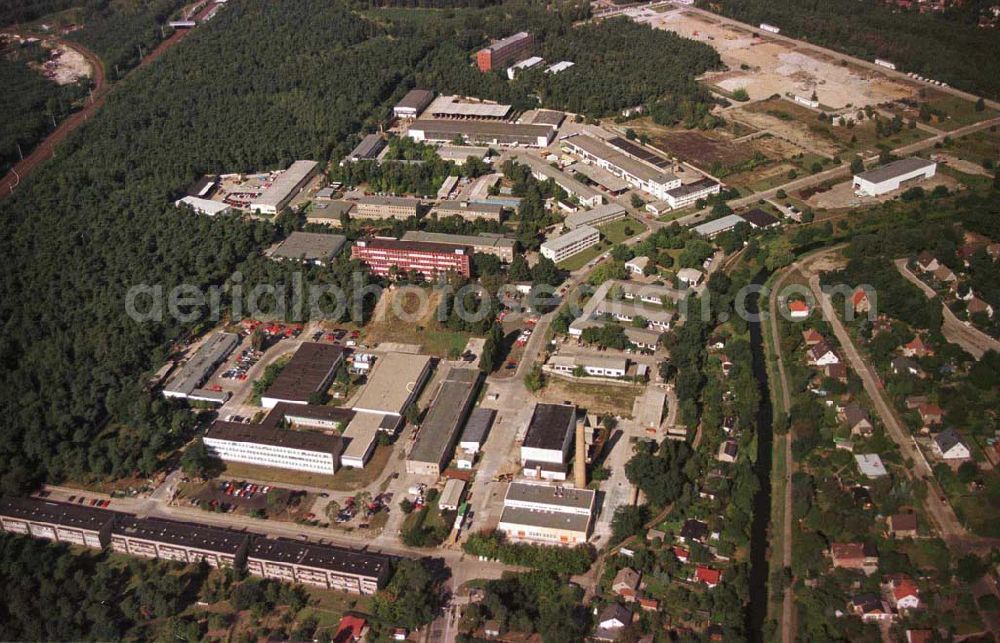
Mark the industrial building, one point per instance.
(284, 188)
(310, 247)
(367, 149)
(893, 176)
(562, 65)
(714, 228)
(609, 182)
(586, 195)
(549, 117)
(361, 436)
(545, 449)
(502, 51)
(393, 384)
(598, 216)
(468, 210)
(385, 207)
(547, 514)
(459, 154)
(204, 206)
(329, 212)
(320, 565)
(477, 429)
(426, 258)
(451, 496)
(307, 374)
(435, 442)
(186, 384)
(480, 132)
(459, 107)
(640, 174)
(415, 101)
(592, 365)
(485, 242)
(527, 63)
(688, 193)
(565, 246)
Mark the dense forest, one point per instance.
(17, 11)
(121, 33)
(30, 103)
(946, 47)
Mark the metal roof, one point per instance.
(440, 427)
(286, 182)
(477, 427)
(201, 364)
(895, 169)
(307, 371)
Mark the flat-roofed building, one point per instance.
(310, 247)
(545, 449)
(598, 216)
(368, 149)
(566, 245)
(613, 183)
(395, 381)
(688, 193)
(460, 107)
(547, 514)
(714, 228)
(319, 565)
(204, 206)
(329, 213)
(361, 436)
(477, 429)
(549, 117)
(459, 154)
(311, 416)
(560, 66)
(628, 311)
(415, 101)
(385, 207)
(644, 338)
(468, 210)
(438, 433)
(893, 176)
(593, 365)
(451, 496)
(486, 243)
(307, 374)
(480, 132)
(505, 50)
(424, 257)
(188, 381)
(647, 178)
(267, 446)
(57, 521)
(586, 195)
(284, 188)
(185, 542)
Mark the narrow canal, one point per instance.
(759, 528)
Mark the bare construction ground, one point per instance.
(765, 67)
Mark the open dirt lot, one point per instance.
(65, 65)
(776, 68)
(702, 150)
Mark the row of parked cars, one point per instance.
(92, 502)
(244, 490)
(244, 363)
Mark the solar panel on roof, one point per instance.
(638, 152)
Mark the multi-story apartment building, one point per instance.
(468, 210)
(324, 566)
(565, 246)
(186, 542)
(426, 258)
(60, 522)
(510, 48)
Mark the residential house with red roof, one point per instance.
(708, 576)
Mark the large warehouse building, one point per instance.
(545, 449)
(547, 514)
(644, 176)
(413, 103)
(439, 431)
(503, 51)
(480, 132)
(426, 258)
(393, 384)
(893, 176)
(186, 384)
(307, 374)
(284, 188)
(310, 247)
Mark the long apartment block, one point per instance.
(320, 565)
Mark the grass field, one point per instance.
(611, 234)
(960, 111)
(425, 330)
(596, 398)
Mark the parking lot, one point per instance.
(247, 498)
